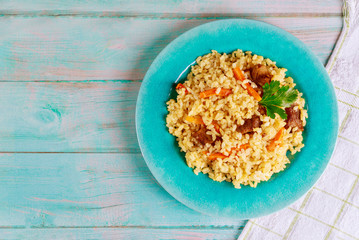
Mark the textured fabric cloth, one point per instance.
(330, 210)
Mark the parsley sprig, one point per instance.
(275, 98)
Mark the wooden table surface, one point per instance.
(70, 71)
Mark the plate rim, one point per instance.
(179, 38)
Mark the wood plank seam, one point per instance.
(217, 227)
(168, 15)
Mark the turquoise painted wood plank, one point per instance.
(120, 233)
(175, 6)
(68, 116)
(48, 49)
(86, 190)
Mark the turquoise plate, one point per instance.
(160, 149)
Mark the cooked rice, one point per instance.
(249, 166)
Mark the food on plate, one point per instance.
(236, 116)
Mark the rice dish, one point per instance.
(221, 120)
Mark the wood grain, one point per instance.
(52, 49)
(120, 233)
(85, 190)
(68, 116)
(218, 7)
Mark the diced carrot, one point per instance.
(243, 146)
(276, 140)
(253, 92)
(279, 135)
(208, 93)
(224, 92)
(238, 74)
(216, 155)
(194, 119)
(211, 92)
(180, 86)
(205, 152)
(216, 126)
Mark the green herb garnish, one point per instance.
(275, 98)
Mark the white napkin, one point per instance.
(330, 210)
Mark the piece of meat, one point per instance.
(260, 75)
(293, 118)
(262, 110)
(249, 125)
(202, 137)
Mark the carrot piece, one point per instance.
(224, 92)
(253, 92)
(207, 93)
(211, 92)
(205, 152)
(276, 140)
(244, 146)
(238, 74)
(216, 126)
(216, 155)
(279, 135)
(180, 85)
(194, 119)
